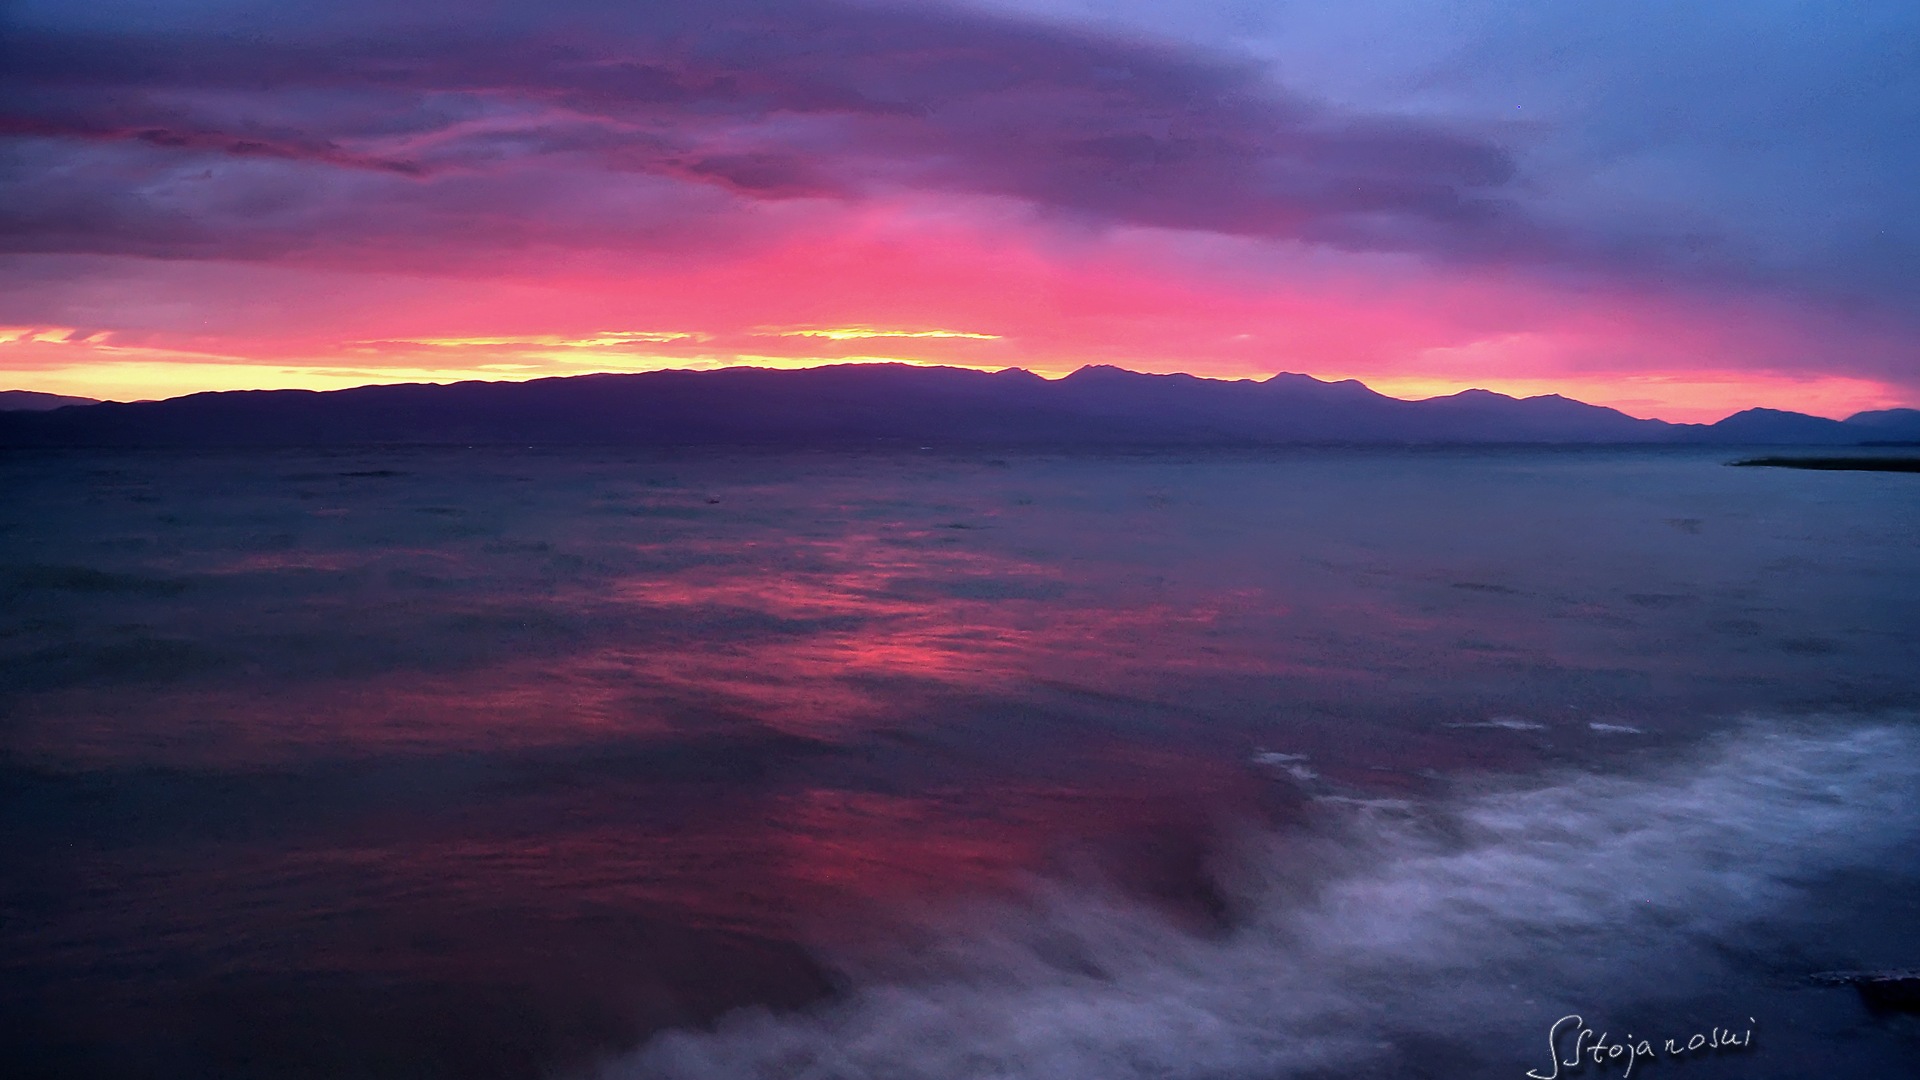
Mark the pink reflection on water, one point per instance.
(405, 895)
(822, 638)
(271, 561)
(855, 613)
(508, 708)
(837, 617)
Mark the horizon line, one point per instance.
(907, 363)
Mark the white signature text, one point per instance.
(1574, 1045)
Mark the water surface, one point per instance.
(504, 762)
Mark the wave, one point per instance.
(1380, 934)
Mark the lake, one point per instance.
(510, 762)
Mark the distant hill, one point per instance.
(34, 401)
(896, 404)
(1887, 425)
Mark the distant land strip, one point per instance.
(1860, 464)
(901, 405)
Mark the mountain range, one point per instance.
(35, 401)
(898, 404)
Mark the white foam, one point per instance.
(1294, 765)
(1504, 723)
(1390, 921)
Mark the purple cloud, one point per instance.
(768, 101)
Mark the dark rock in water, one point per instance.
(1893, 990)
(1851, 464)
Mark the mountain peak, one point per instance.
(882, 405)
(35, 401)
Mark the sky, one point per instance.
(1680, 210)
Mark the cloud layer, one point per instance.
(593, 142)
(197, 142)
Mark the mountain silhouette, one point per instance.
(35, 401)
(898, 404)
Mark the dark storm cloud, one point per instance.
(293, 146)
(762, 101)
(1703, 148)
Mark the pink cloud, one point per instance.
(988, 284)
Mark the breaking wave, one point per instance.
(1381, 933)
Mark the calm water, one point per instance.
(496, 763)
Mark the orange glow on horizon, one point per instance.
(603, 340)
(966, 290)
(1682, 397)
(1699, 397)
(854, 333)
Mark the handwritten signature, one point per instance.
(1583, 1045)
